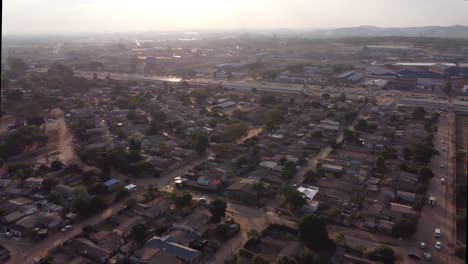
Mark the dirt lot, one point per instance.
(462, 147)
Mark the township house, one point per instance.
(161, 250)
(242, 191)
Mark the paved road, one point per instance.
(54, 240)
(442, 214)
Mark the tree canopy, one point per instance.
(312, 230)
(235, 131)
(384, 254)
(217, 210)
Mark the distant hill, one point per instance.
(456, 31)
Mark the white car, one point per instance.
(442, 180)
(422, 245)
(427, 256)
(438, 245)
(442, 165)
(66, 228)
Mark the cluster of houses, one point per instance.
(182, 239)
(408, 76)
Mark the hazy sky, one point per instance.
(81, 16)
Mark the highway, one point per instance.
(237, 85)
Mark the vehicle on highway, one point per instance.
(438, 245)
(427, 256)
(422, 245)
(414, 256)
(437, 232)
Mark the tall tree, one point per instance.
(235, 131)
(151, 193)
(384, 254)
(312, 230)
(217, 210)
(448, 88)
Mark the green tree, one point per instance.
(448, 88)
(130, 203)
(237, 113)
(384, 254)
(217, 210)
(276, 116)
(340, 240)
(199, 141)
(23, 174)
(81, 200)
(313, 231)
(120, 194)
(423, 152)
(183, 200)
(139, 231)
(289, 170)
(342, 97)
(131, 115)
(350, 116)
(16, 64)
(311, 176)
(135, 144)
(36, 121)
(259, 260)
(379, 163)
(326, 96)
(405, 227)
(286, 260)
(406, 153)
(425, 173)
(151, 193)
(267, 99)
(54, 197)
(295, 198)
(56, 165)
(253, 234)
(419, 113)
(308, 257)
(235, 131)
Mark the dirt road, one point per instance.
(65, 140)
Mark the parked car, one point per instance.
(7, 235)
(422, 245)
(442, 180)
(66, 228)
(427, 256)
(438, 245)
(437, 232)
(414, 256)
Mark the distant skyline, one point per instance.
(109, 16)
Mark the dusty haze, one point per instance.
(89, 16)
